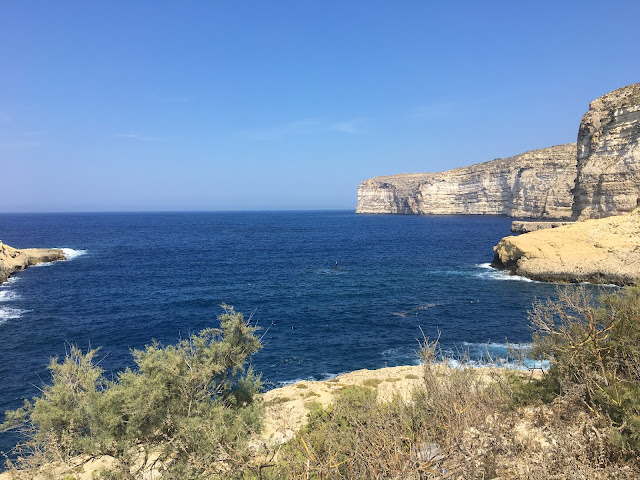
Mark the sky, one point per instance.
(286, 105)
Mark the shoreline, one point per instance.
(599, 251)
(13, 260)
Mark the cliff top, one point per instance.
(541, 154)
(626, 95)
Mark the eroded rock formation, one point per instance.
(608, 170)
(12, 260)
(605, 250)
(535, 184)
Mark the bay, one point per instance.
(136, 277)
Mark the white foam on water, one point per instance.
(9, 282)
(528, 364)
(71, 253)
(8, 295)
(7, 313)
(496, 345)
(44, 264)
(495, 274)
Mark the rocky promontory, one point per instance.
(605, 250)
(13, 260)
(608, 162)
(535, 184)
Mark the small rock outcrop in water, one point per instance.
(608, 170)
(12, 260)
(605, 250)
(535, 184)
(526, 227)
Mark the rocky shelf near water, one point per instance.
(13, 260)
(605, 250)
(520, 226)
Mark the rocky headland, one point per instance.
(605, 250)
(563, 188)
(13, 260)
(608, 156)
(535, 184)
(603, 245)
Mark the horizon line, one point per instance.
(273, 210)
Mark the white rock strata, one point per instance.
(535, 184)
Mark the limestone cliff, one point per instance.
(605, 250)
(535, 184)
(12, 260)
(608, 170)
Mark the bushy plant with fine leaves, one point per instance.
(593, 344)
(185, 410)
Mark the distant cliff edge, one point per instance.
(535, 184)
(597, 177)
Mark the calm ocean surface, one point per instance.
(142, 276)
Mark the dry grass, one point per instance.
(458, 423)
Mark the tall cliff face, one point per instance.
(534, 184)
(608, 177)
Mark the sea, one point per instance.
(331, 291)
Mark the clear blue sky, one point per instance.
(227, 105)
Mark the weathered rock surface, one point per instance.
(12, 260)
(605, 250)
(519, 226)
(608, 170)
(535, 184)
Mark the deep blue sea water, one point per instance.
(137, 277)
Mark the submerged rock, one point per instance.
(13, 260)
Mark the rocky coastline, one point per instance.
(563, 189)
(604, 251)
(535, 184)
(13, 260)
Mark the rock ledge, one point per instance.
(13, 260)
(605, 250)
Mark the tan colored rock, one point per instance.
(605, 250)
(535, 184)
(287, 407)
(520, 226)
(13, 260)
(608, 170)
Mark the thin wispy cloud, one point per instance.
(441, 109)
(278, 132)
(174, 99)
(20, 140)
(19, 144)
(351, 127)
(304, 127)
(137, 137)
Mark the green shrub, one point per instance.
(191, 405)
(593, 344)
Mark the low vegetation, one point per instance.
(190, 411)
